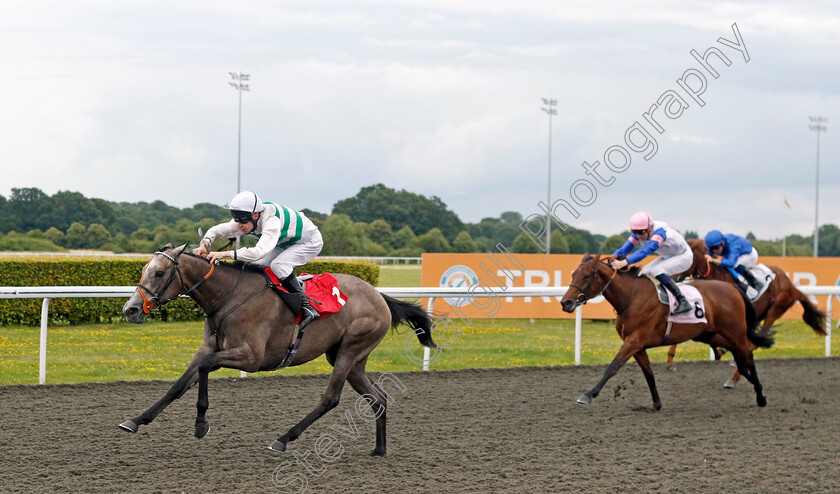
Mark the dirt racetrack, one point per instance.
(514, 430)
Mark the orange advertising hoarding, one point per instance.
(501, 269)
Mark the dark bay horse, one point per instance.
(248, 327)
(780, 296)
(641, 320)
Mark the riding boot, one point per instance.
(682, 303)
(752, 280)
(307, 312)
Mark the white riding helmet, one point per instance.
(246, 201)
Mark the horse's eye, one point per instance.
(158, 274)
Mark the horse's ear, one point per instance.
(166, 247)
(181, 250)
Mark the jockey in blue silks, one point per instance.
(736, 253)
(675, 256)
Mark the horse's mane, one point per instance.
(237, 265)
(634, 270)
(696, 243)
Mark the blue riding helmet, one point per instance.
(714, 238)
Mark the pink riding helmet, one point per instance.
(640, 221)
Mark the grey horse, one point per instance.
(248, 327)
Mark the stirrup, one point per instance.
(307, 315)
(683, 306)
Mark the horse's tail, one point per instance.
(412, 315)
(812, 316)
(752, 324)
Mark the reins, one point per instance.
(582, 298)
(216, 327)
(155, 302)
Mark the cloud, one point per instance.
(130, 102)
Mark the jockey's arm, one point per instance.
(656, 240)
(226, 230)
(268, 240)
(645, 251)
(731, 259)
(625, 249)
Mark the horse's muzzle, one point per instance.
(133, 313)
(569, 305)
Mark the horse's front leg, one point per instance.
(629, 348)
(177, 390)
(241, 358)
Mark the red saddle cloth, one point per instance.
(322, 289)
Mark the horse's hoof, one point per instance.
(762, 401)
(202, 430)
(129, 426)
(671, 368)
(277, 446)
(584, 400)
(657, 406)
(376, 452)
(730, 384)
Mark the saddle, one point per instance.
(691, 294)
(321, 289)
(760, 272)
(314, 287)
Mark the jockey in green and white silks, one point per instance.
(287, 239)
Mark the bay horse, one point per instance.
(248, 327)
(641, 320)
(780, 296)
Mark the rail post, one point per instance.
(427, 352)
(42, 352)
(828, 326)
(578, 331)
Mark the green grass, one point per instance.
(399, 275)
(155, 350)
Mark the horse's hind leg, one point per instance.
(736, 376)
(376, 397)
(187, 379)
(746, 365)
(644, 362)
(669, 364)
(776, 311)
(329, 400)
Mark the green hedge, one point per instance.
(84, 271)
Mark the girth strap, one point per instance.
(297, 337)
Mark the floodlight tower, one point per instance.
(817, 125)
(550, 111)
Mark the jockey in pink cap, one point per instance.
(675, 255)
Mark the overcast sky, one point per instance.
(129, 101)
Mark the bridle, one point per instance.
(154, 302)
(581, 298)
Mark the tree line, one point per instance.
(378, 221)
